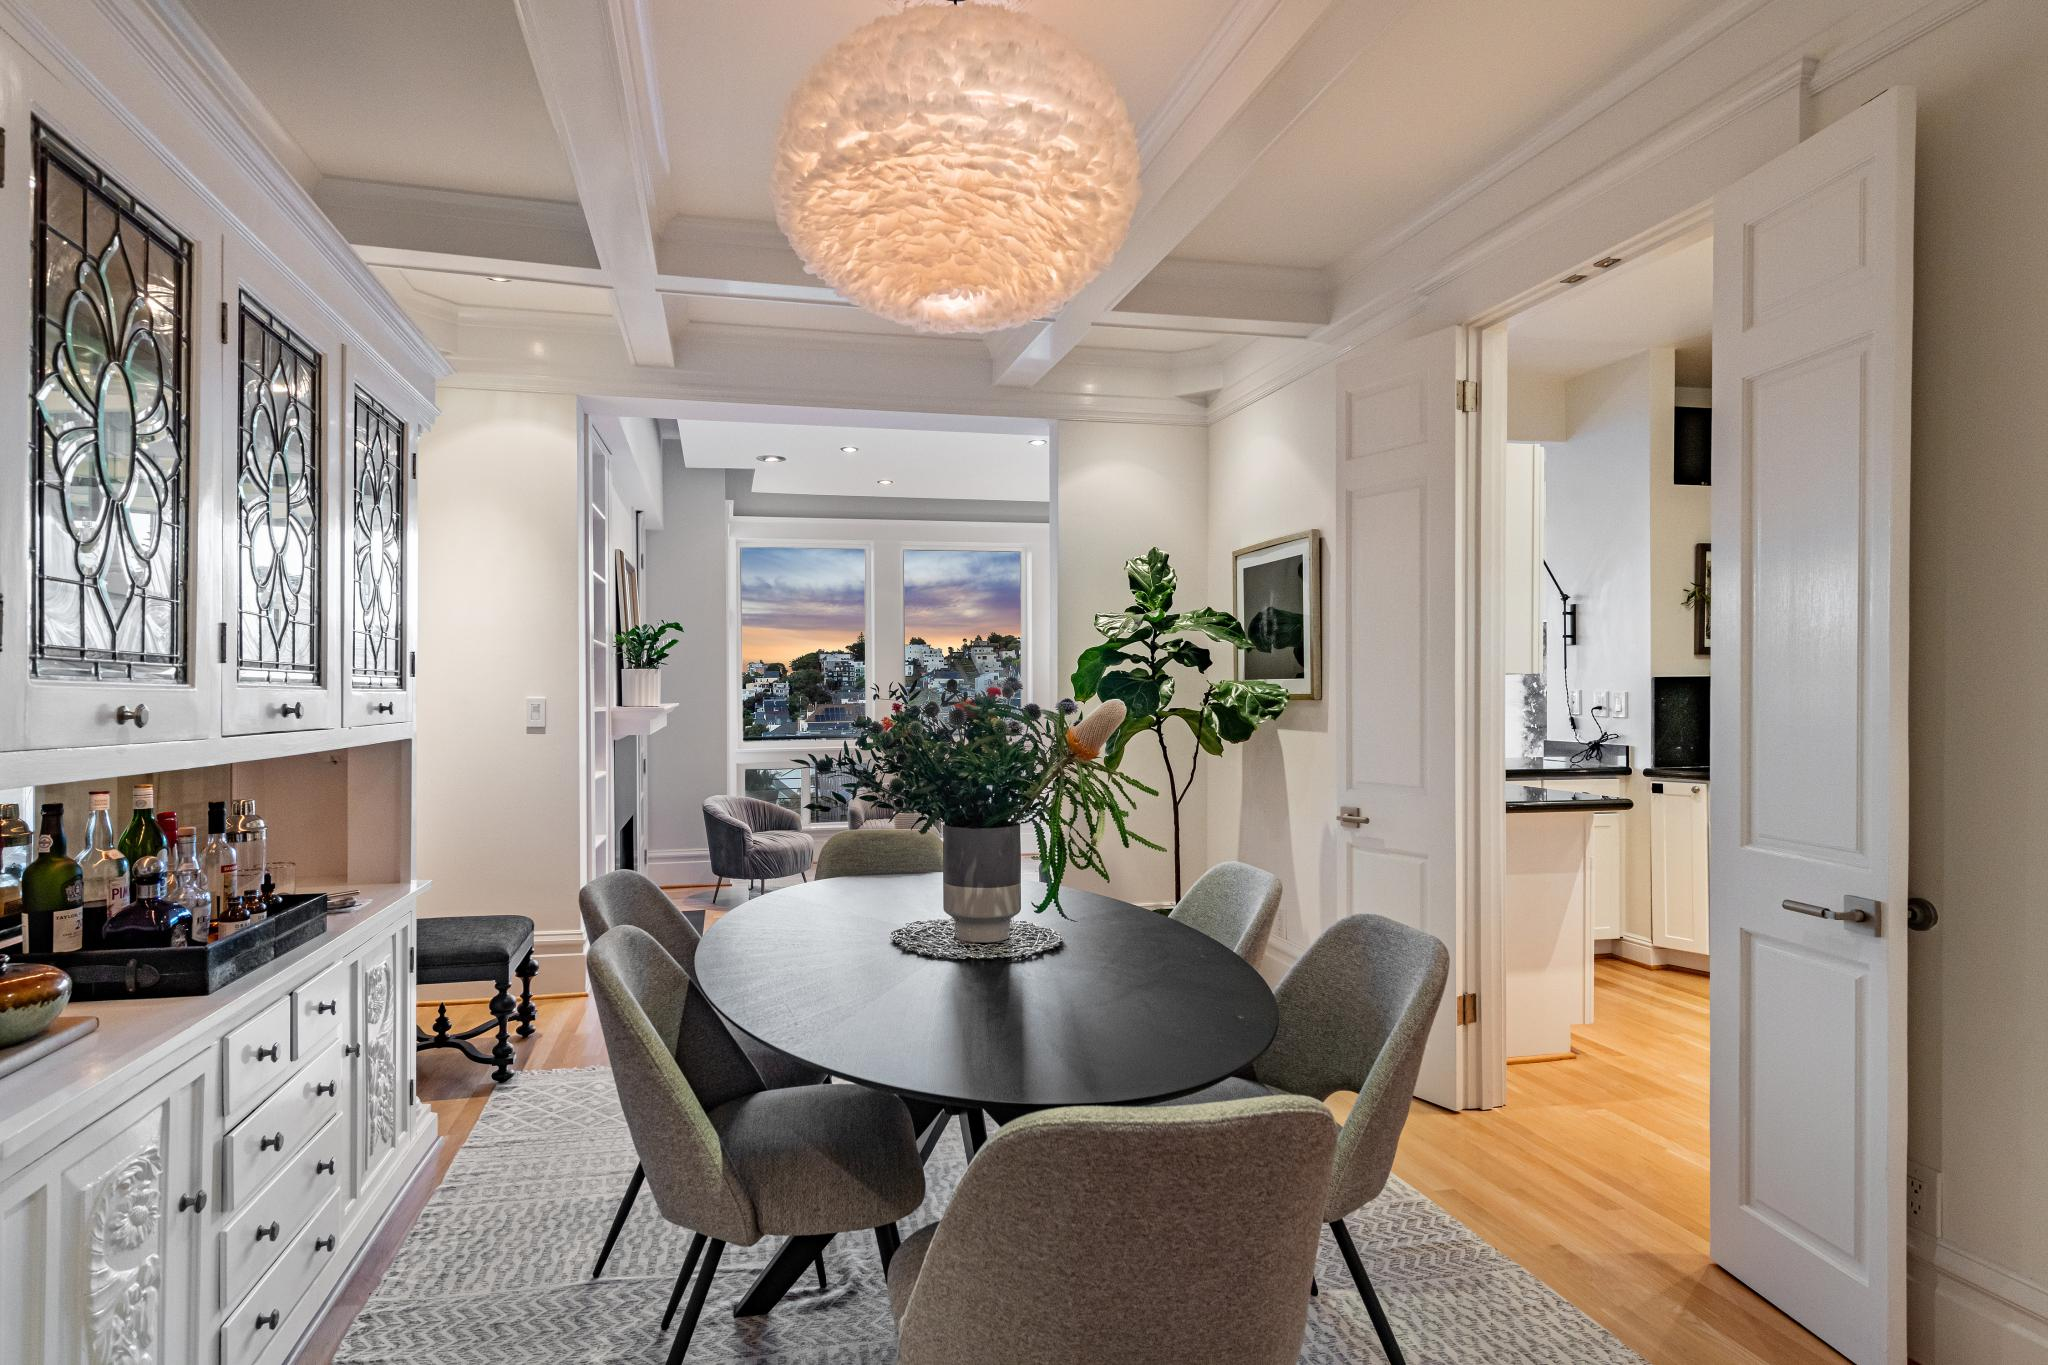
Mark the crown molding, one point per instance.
(228, 85)
(1840, 65)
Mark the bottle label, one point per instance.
(145, 798)
(61, 931)
(43, 843)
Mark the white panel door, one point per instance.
(1396, 591)
(1813, 260)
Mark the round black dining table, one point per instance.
(1132, 1008)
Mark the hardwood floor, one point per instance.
(1594, 1176)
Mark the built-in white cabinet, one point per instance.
(1678, 866)
(382, 539)
(1522, 508)
(1606, 853)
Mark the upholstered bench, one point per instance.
(479, 948)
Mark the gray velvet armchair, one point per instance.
(754, 841)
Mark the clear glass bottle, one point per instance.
(152, 919)
(53, 891)
(221, 865)
(251, 838)
(143, 837)
(188, 885)
(17, 851)
(106, 871)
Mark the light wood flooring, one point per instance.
(1594, 1176)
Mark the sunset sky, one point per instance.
(794, 599)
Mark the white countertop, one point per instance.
(137, 1038)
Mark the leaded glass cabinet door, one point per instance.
(106, 642)
(382, 547)
(278, 635)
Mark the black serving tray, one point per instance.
(202, 968)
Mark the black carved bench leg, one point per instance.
(441, 1025)
(527, 971)
(502, 1009)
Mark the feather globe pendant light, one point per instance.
(956, 167)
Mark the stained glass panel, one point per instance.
(109, 496)
(377, 508)
(278, 498)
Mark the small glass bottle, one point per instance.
(143, 836)
(53, 891)
(17, 851)
(221, 867)
(251, 838)
(152, 919)
(106, 871)
(188, 885)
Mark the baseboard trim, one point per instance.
(679, 866)
(1972, 1309)
(1643, 955)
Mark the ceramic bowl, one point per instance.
(31, 998)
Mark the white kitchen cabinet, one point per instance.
(1523, 507)
(1678, 875)
(382, 535)
(1606, 853)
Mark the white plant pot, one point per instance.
(640, 687)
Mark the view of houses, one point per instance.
(824, 693)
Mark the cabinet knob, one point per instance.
(274, 1140)
(352, 1050)
(324, 1244)
(268, 1232)
(192, 1203)
(323, 1168)
(384, 708)
(324, 1007)
(324, 1088)
(268, 1321)
(267, 1054)
(137, 715)
(292, 710)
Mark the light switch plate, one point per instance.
(1571, 703)
(536, 713)
(1617, 705)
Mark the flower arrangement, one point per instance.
(986, 762)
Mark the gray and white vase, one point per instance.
(984, 872)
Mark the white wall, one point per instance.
(1123, 489)
(497, 805)
(1272, 472)
(686, 581)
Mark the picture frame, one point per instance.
(1279, 601)
(1703, 602)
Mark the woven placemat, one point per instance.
(935, 938)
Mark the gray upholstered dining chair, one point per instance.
(1135, 1235)
(726, 1158)
(628, 897)
(880, 851)
(864, 811)
(751, 840)
(1354, 1015)
(1233, 903)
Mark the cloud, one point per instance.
(951, 595)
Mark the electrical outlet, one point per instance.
(1617, 705)
(1923, 1199)
(1572, 698)
(1599, 702)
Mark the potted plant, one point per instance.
(983, 768)
(642, 652)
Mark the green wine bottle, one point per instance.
(53, 891)
(142, 839)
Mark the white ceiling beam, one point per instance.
(458, 226)
(1266, 83)
(585, 76)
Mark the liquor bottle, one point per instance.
(167, 825)
(152, 919)
(251, 838)
(142, 838)
(53, 891)
(106, 871)
(188, 885)
(222, 873)
(17, 851)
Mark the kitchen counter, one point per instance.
(1521, 798)
(1678, 774)
(1561, 758)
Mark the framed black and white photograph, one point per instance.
(1280, 602)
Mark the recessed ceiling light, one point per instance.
(499, 279)
(849, 450)
(886, 483)
(1038, 440)
(770, 459)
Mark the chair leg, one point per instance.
(886, 1242)
(821, 1271)
(786, 1269)
(502, 1009)
(1372, 1300)
(689, 1264)
(696, 1308)
(619, 1221)
(932, 1134)
(976, 1131)
(716, 889)
(526, 1013)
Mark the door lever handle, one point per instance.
(1855, 910)
(1350, 818)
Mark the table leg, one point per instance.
(974, 1131)
(789, 1264)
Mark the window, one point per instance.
(378, 514)
(963, 623)
(109, 498)
(803, 641)
(277, 493)
(782, 787)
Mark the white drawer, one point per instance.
(261, 1145)
(318, 1009)
(256, 1057)
(254, 1331)
(256, 1237)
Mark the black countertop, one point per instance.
(1678, 774)
(1561, 758)
(1521, 798)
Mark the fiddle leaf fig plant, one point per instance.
(1140, 646)
(647, 646)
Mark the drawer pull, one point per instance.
(268, 1321)
(268, 1232)
(292, 710)
(352, 1050)
(268, 1054)
(324, 1244)
(324, 1088)
(138, 715)
(324, 1007)
(384, 708)
(323, 1168)
(274, 1140)
(192, 1203)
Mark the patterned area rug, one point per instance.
(498, 1267)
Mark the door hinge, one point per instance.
(1468, 1008)
(1468, 395)
(223, 322)
(412, 959)
(412, 1092)
(412, 663)
(223, 642)
(415, 465)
